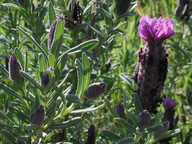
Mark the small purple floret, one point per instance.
(155, 29)
(169, 103)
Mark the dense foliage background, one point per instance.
(93, 41)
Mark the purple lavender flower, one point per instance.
(151, 70)
(14, 67)
(39, 116)
(155, 29)
(91, 135)
(95, 90)
(120, 110)
(169, 103)
(144, 119)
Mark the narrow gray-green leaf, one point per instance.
(167, 134)
(88, 109)
(73, 99)
(10, 91)
(19, 56)
(9, 136)
(52, 15)
(124, 123)
(33, 41)
(42, 65)
(30, 79)
(111, 135)
(86, 71)
(3, 116)
(51, 60)
(3, 70)
(80, 83)
(84, 46)
(66, 124)
(127, 141)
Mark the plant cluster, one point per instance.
(95, 71)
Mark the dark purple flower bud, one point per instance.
(52, 31)
(155, 30)
(91, 135)
(69, 23)
(39, 5)
(20, 141)
(7, 63)
(144, 119)
(14, 68)
(45, 79)
(169, 103)
(122, 6)
(108, 65)
(182, 10)
(166, 125)
(38, 116)
(120, 110)
(77, 13)
(95, 90)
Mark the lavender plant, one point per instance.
(66, 72)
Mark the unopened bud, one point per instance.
(77, 13)
(14, 68)
(144, 119)
(122, 6)
(108, 65)
(20, 141)
(120, 110)
(91, 135)
(39, 116)
(45, 77)
(95, 90)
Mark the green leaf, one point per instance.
(33, 41)
(73, 99)
(11, 5)
(124, 123)
(3, 70)
(84, 46)
(57, 39)
(42, 65)
(66, 124)
(111, 135)
(88, 109)
(79, 68)
(51, 12)
(52, 60)
(2, 116)
(127, 78)
(11, 92)
(127, 141)
(30, 79)
(132, 117)
(19, 56)
(19, 114)
(9, 136)
(60, 66)
(86, 72)
(167, 135)
(106, 14)
(137, 103)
